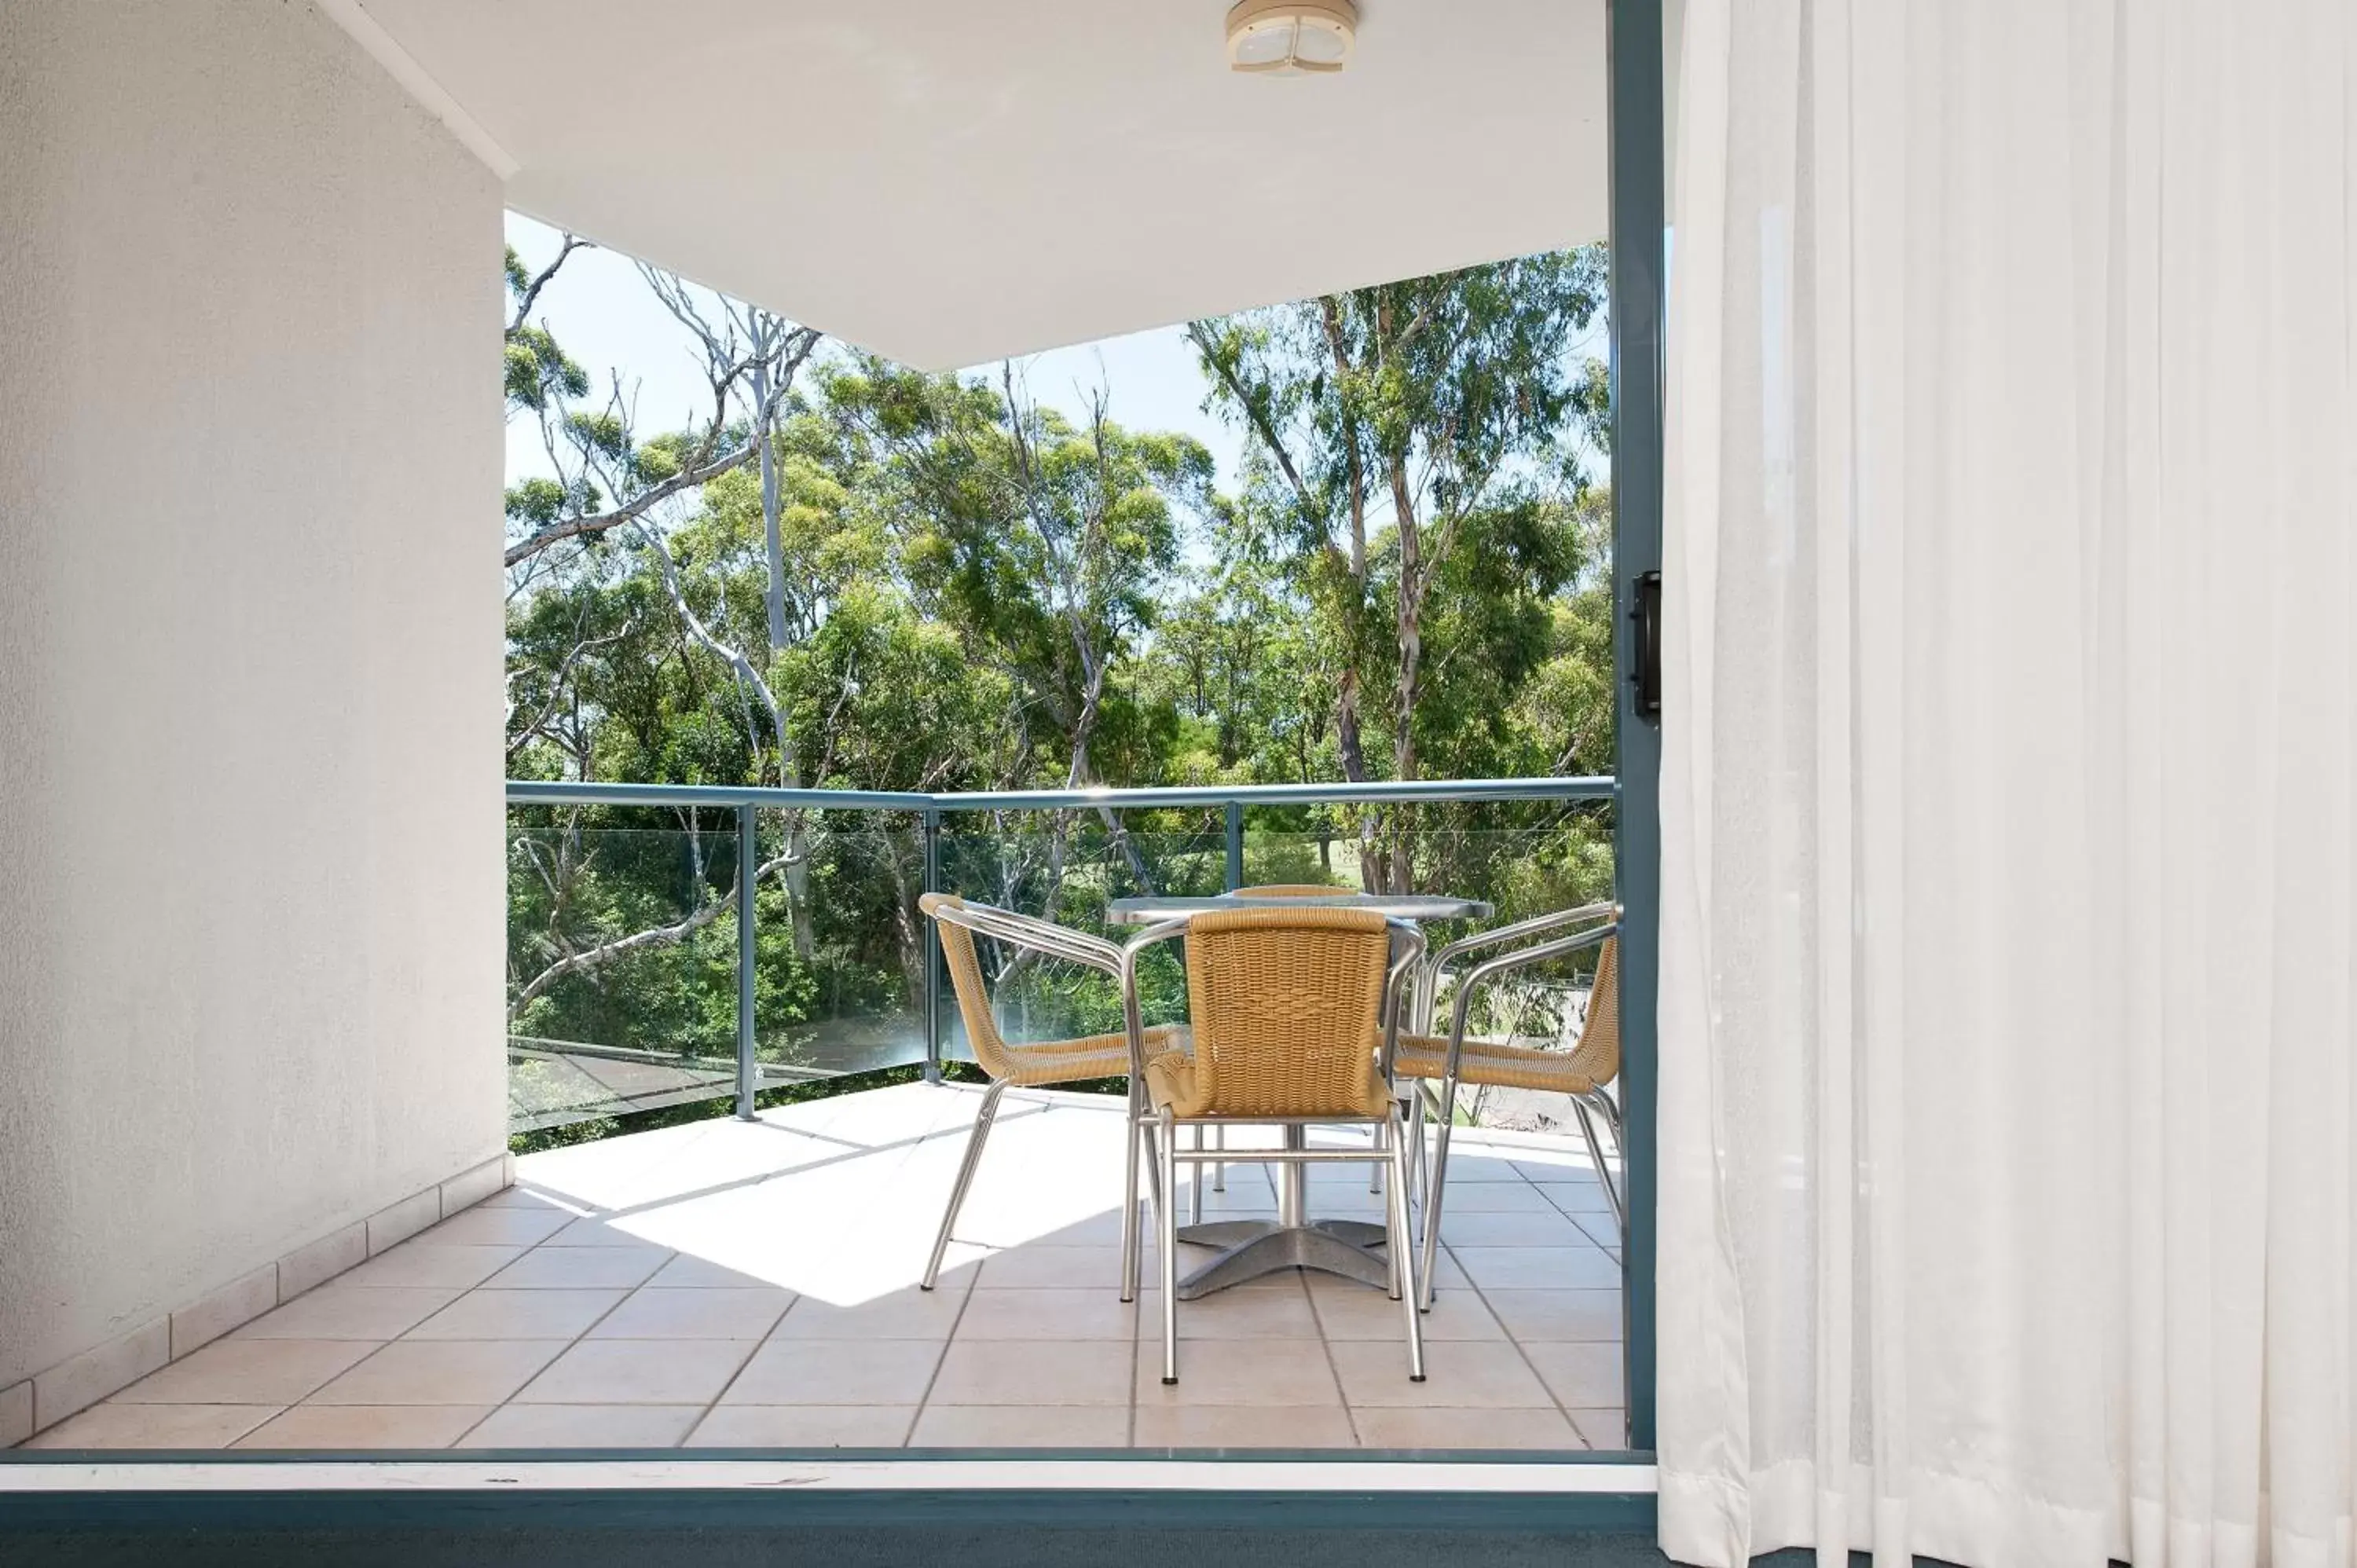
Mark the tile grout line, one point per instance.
(925, 1400)
(730, 1381)
(1515, 1339)
(671, 1253)
(1349, 1413)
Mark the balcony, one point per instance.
(752, 1284)
(750, 1280)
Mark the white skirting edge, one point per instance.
(847, 1474)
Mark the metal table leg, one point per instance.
(1257, 1246)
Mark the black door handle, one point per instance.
(1646, 611)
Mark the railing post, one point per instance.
(747, 857)
(933, 821)
(1235, 845)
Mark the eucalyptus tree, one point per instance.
(1397, 424)
(1047, 544)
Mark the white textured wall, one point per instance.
(250, 650)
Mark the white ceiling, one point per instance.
(951, 181)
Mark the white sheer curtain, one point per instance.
(2010, 776)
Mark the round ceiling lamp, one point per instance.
(1289, 37)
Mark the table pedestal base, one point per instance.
(1257, 1246)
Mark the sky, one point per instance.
(601, 310)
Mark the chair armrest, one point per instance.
(1428, 983)
(1025, 931)
(1487, 969)
(1125, 971)
(1406, 970)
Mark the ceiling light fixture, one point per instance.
(1289, 38)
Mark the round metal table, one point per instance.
(1418, 906)
(1251, 1248)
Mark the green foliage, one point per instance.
(536, 368)
(974, 592)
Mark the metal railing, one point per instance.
(747, 802)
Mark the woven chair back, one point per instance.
(972, 995)
(1596, 1057)
(1286, 1005)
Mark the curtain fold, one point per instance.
(2009, 784)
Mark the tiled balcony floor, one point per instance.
(733, 1284)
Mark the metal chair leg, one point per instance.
(1131, 1240)
(1166, 1211)
(1194, 1182)
(974, 1141)
(1445, 1111)
(1401, 1248)
(1417, 1169)
(1586, 1112)
(1220, 1170)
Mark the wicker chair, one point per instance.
(1438, 1064)
(1285, 1005)
(1036, 1065)
(1220, 1133)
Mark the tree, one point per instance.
(847, 573)
(1398, 423)
(1045, 543)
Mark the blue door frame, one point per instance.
(1640, 267)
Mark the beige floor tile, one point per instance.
(638, 1371)
(688, 1271)
(1242, 1426)
(1349, 1310)
(1021, 1426)
(804, 1427)
(1538, 1268)
(1496, 1198)
(1584, 1314)
(1036, 1267)
(1567, 1164)
(1092, 1230)
(584, 1426)
(1467, 1165)
(581, 1268)
(367, 1426)
(522, 1197)
(1015, 1371)
(1237, 1372)
(599, 1230)
(1604, 1429)
(1027, 1314)
(247, 1371)
(837, 1371)
(442, 1372)
(114, 1426)
(909, 1313)
(1509, 1229)
(719, 1314)
(1281, 1312)
(1461, 1429)
(1581, 1377)
(432, 1263)
(1576, 1196)
(1247, 1195)
(1600, 1228)
(351, 1312)
(490, 1313)
(485, 1226)
(1465, 1374)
